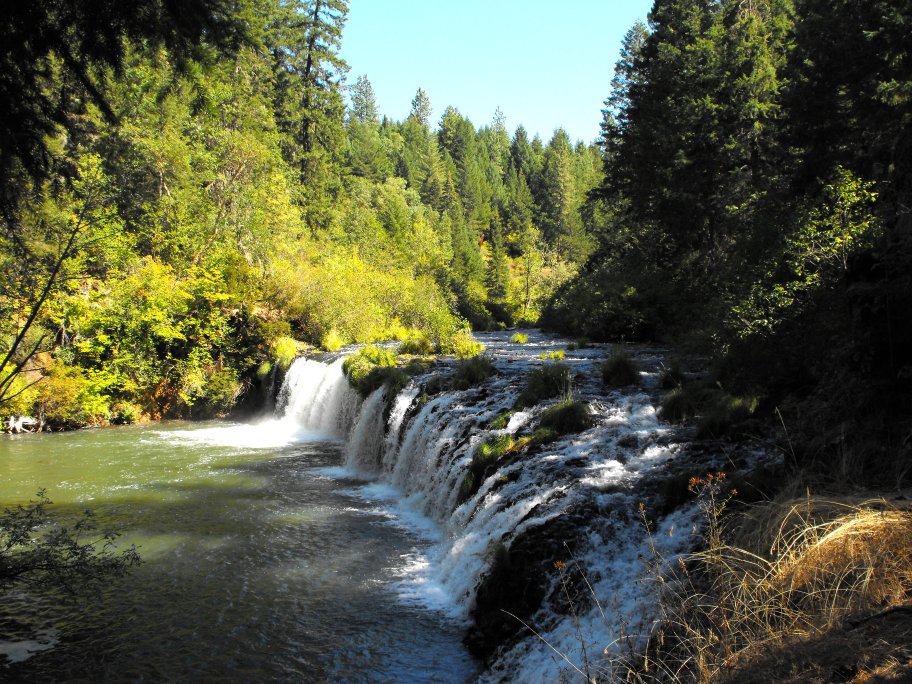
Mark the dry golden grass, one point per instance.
(802, 591)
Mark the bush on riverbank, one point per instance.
(417, 346)
(369, 368)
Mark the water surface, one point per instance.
(264, 561)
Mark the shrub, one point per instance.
(463, 345)
(501, 421)
(284, 351)
(221, 392)
(397, 331)
(567, 417)
(717, 411)
(418, 346)
(472, 372)
(332, 341)
(125, 413)
(485, 455)
(678, 405)
(552, 356)
(619, 369)
(724, 413)
(519, 338)
(370, 367)
(67, 398)
(544, 382)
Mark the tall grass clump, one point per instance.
(544, 382)
(419, 345)
(717, 412)
(284, 351)
(779, 590)
(472, 372)
(519, 338)
(486, 454)
(619, 369)
(567, 417)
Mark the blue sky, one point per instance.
(545, 64)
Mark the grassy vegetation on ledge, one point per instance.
(372, 367)
(472, 371)
(493, 449)
(619, 369)
(717, 413)
(567, 417)
(797, 590)
(544, 382)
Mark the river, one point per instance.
(332, 543)
(262, 563)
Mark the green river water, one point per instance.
(262, 562)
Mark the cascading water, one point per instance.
(317, 396)
(575, 500)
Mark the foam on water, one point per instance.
(418, 450)
(269, 434)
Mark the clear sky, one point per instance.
(544, 63)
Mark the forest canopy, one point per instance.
(193, 190)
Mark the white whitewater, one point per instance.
(317, 397)
(422, 446)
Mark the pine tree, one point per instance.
(421, 108)
(305, 46)
(364, 102)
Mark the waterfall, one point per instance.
(316, 396)
(574, 499)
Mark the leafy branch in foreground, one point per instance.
(37, 551)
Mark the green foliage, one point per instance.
(68, 397)
(579, 343)
(552, 356)
(519, 338)
(418, 346)
(619, 369)
(544, 382)
(370, 368)
(284, 351)
(332, 341)
(725, 414)
(816, 255)
(472, 371)
(42, 553)
(463, 346)
(501, 421)
(486, 455)
(567, 417)
(718, 413)
(679, 405)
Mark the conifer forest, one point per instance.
(206, 218)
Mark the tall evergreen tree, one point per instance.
(364, 102)
(305, 51)
(421, 108)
